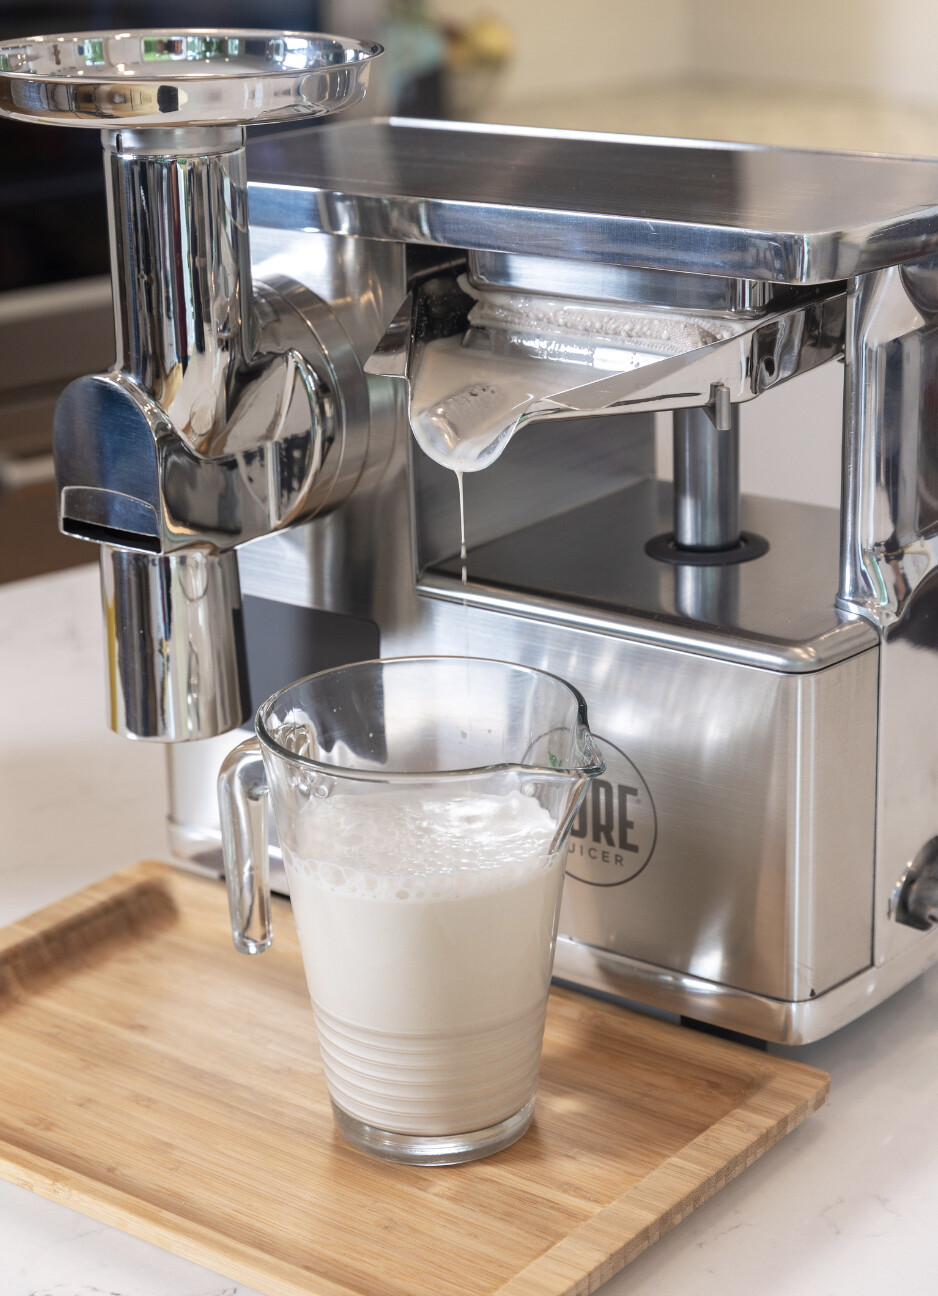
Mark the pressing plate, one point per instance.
(157, 1080)
(744, 211)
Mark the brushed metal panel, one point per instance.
(763, 784)
(908, 761)
(760, 876)
(723, 209)
(782, 1021)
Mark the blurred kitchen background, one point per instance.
(840, 74)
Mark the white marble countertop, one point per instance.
(845, 1203)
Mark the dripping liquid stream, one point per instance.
(462, 524)
(460, 483)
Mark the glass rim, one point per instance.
(588, 770)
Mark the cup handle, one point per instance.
(242, 806)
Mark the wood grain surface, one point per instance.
(157, 1080)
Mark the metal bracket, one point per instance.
(719, 408)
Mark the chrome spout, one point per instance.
(222, 419)
(174, 643)
(137, 449)
(232, 410)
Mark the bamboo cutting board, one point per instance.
(157, 1080)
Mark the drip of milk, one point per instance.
(466, 426)
(470, 393)
(427, 927)
(462, 524)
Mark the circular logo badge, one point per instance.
(613, 836)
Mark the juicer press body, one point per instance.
(771, 757)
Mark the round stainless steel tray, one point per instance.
(173, 77)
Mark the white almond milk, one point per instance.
(427, 927)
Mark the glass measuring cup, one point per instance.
(423, 806)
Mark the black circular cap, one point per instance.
(666, 549)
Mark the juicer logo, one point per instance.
(613, 836)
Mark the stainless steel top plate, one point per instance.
(782, 215)
(180, 77)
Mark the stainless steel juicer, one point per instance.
(762, 851)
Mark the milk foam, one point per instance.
(413, 846)
(427, 927)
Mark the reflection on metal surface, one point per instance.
(747, 699)
(729, 753)
(738, 211)
(781, 617)
(583, 279)
(706, 535)
(782, 738)
(180, 77)
(915, 901)
(173, 671)
(706, 480)
(782, 731)
(784, 1021)
(707, 594)
(891, 424)
(225, 417)
(733, 721)
(481, 363)
(889, 553)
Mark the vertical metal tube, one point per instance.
(175, 643)
(181, 266)
(707, 594)
(706, 481)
